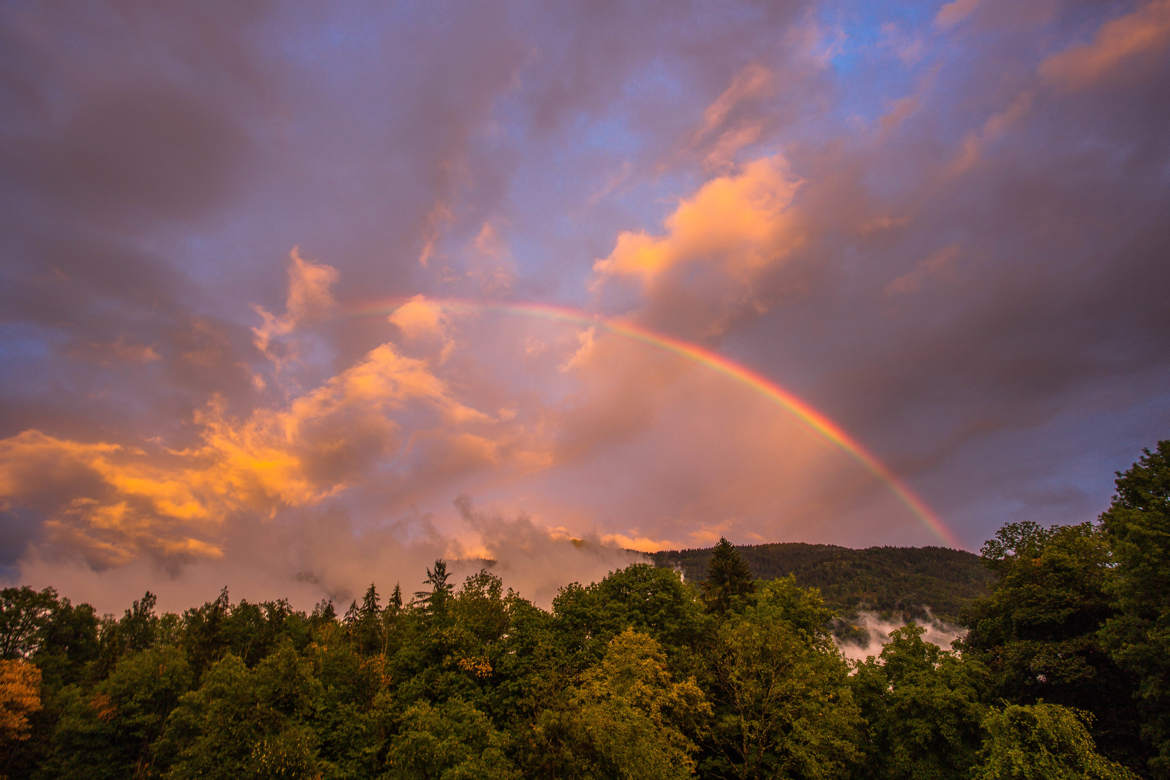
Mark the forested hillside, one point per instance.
(901, 580)
(1063, 674)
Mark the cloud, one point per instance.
(424, 324)
(109, 502)
(992, 129)
(877, 635)
(950, 14)
(488, 242)
(118, 351)
(587, 344)
(936, 264)
(727, 126)
(752, 82)
(1120, 40)
(516, 158)
(736, 225)
(537, 561)
(309, 296)
(722, 154)
(132, 153)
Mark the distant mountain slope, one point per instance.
(895, 580)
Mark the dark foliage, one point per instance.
(893, 580)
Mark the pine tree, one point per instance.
(394, 606)
(435, 600)
(370, 606)
(367, 629)
(728, 578)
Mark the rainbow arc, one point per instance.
(712, 361)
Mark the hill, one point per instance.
(891, 580)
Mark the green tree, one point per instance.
(247, 723)
(628, 718)
(349, 720)
(1137, 525)
(139, 625)
(922, 707)
(1038, 631)
(785, 707)
(109, 731)
(653, 601)
(205, 634)
(1041, 742)
(24, 616)
(449, 741)
(68, 643)
(729, 579)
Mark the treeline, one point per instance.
(1063, 674)
(895, 581)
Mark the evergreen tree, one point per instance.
(728, 578)
(350, 618)
(324, 612)
(434, 601)
(367, 627)
(394, 606)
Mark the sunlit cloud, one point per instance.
(736, 224)
(1126, 38)
(309, 296)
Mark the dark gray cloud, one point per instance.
(968, 276)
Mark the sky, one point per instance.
(296, 297)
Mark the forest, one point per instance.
(899, 581)
(1064, 673)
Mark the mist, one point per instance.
(877, 634)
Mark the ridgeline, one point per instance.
(895, 581)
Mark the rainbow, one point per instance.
(705, 357)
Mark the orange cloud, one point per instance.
(111, 502)
(586, 344)
(738, 224)
(487, 241)
(1143, 30)
(639, 543)
(107, 501)
(309, 296)
(722, 154)
(424, 323)
(420, 318)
